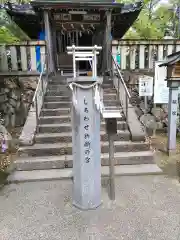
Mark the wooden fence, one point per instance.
(142, 54)
(24, 57)
(27, 57)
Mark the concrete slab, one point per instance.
(135, 126)
(28, 132)
(57, 174)
(48, 162)
(146, 208)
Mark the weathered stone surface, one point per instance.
(3, 98)
(139, 112)
(149, 121)
(135, 99)
(21, 114)
(160, 125)
(5, 139)
(15, 98)
(165, 107)
(29, 82)
(13, 120)
(13, 102)
(11, 82)
(158, 113)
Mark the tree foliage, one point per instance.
(9, 31)
(155, 21)
(6, 36)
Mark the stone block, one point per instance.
(148, 121)
(158, 113)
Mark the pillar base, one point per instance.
(171, 153)
(84, 208)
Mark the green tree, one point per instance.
(154, 21)
(9, 30)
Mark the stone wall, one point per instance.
(15, 99)
(154, 117)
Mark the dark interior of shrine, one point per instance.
(85, 40)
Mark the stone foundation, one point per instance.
(154, 117)
(16, 95)
(15, 98)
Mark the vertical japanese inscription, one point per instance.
(174, 102)
(87, 142)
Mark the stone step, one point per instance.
(59, 148)
(107, 86)
(58, 87)
(58, 92)
(111, 103)
(111, 90)
(67, 111)
(67, 92)
(55, 119)
(60, 174)
(58, 79)
(118, 108)
(66, 137)
(111, 96)
(58, 82)
(55, 112)
(66, 161)
(63, 104)
(62, 119)
(67, 127)
(55, 105)
(57, 98)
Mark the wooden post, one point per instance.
(33, 58)
(24, 63)
(54, 45)
(48, 41)
(111, 167)
(4, 60)
(108, 42)
(14, 60)
(172, 118)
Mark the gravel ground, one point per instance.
(146, 208)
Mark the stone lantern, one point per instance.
(172, 63)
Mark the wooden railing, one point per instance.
(142, 54)
(25, 57)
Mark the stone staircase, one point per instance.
(51, 155)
